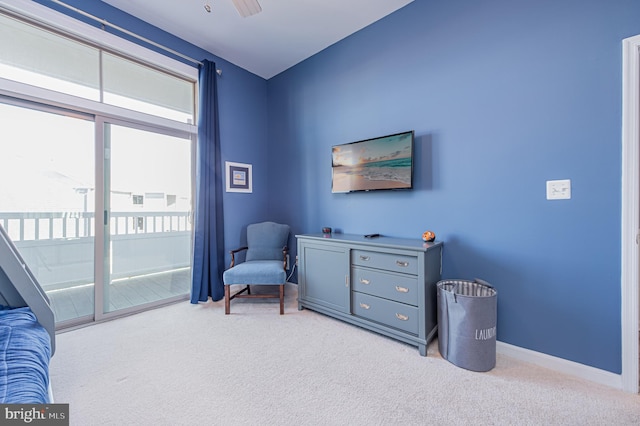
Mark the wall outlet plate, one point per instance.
(559, 189)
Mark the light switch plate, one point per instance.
(559, 189)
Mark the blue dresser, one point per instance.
(386, 285)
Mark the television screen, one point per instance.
(379, 163)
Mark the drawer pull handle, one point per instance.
(365, 306)
(365, 281)
(402, 317)
(402, 263)
(365, 258)
(402, 289)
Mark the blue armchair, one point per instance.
(265, 263)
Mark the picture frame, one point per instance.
(239, 177)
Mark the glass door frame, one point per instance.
(41, 107)
(102, 211)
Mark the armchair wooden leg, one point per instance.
(281, 299)
(227, 299)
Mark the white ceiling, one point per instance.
(285, 33)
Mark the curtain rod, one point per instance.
(132, 34)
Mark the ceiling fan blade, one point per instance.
(247, 7)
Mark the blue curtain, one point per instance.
(208, 241)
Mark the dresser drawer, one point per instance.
(392, 314)
(391, 262)
(400, 288)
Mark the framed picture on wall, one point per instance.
(238, 176)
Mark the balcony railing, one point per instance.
(58, 247)
(55, 225)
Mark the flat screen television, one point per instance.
(380, 163)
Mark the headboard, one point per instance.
(20, 288)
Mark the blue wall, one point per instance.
(503, 95)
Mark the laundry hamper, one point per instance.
(467, 316)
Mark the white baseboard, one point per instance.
(561, 365)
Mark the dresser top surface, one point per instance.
(381, 241)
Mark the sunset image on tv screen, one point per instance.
(383, 163)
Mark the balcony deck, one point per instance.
(77, 302)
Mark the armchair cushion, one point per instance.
(266, 241)
(256, 272)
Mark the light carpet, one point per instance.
(187, 364)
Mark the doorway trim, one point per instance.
(630, 277)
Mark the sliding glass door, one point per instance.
(147, 208)
(47, 194)
(58, 168)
